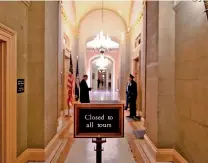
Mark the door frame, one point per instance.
(136, 73)
(66, 56)
(8, 94)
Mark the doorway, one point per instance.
(1, 101)
(66, 65)
(8, 89)
(102, 78)
(137, 75)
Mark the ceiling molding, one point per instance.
(66, 20)
(107, 9)
(130, 12)
(26, 2)
(74, 11)
(138, 18)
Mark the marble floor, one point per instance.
(116, 150)
(104, 95)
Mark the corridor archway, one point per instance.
(109, 70)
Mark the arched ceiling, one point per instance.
(122, 8)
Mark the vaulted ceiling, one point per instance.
(121, 8)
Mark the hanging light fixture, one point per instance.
(206, 7)
(102, 62)
(101, 42)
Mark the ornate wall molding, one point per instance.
(66, 19)
(178, 5)
(138, 18)
(26, 2)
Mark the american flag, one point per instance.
(70, 81)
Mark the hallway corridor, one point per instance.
(61, 63)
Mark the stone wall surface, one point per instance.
(15, 16)
(36, 53)
(191, 81)
(51, 69)
(152, 70)
(166, 76)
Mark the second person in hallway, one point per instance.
(84, 90)
(132, 96)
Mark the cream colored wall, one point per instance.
(152, 71)
(33, 33)
(15, 16)
(36, 53)
(166, 76)
(51, 69)
(68, 5)
(191, 81)
(136, 11)
(176, 78)
(135, 31)
(65, 28)
(160, 75)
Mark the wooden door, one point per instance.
(65, 81)
(2, 101)
(1, 107)
(8, 88)
(136, 73)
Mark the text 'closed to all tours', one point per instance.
(99, 120)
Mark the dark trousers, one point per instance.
(127, 101)
(132, 107)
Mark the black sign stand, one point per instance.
(99, 149)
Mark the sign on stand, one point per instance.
(99, 120)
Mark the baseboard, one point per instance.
(23, 157)
(43, 154)
(137, 152)
(163, 155)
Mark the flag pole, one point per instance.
(70, 85)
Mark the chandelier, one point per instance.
(102, 62)
(102, 43)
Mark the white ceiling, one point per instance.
(122, 8)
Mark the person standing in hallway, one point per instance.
(102, 82)
(84, 90)
(127, 97)
(132, 96)
(98, 83)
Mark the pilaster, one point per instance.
(124, 64)
(42, 73)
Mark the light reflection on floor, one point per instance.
(103, 95)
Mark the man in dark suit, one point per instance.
(98, 83)
(132, 95)
(127, 98)
(84, 90)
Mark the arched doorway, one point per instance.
(8, 134)
(106, 74)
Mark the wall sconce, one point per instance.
(206, 7)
